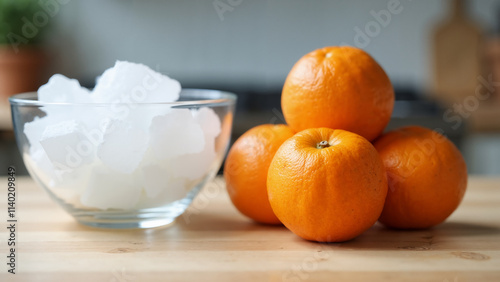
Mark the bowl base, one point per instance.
(137, 224)
(146, 218)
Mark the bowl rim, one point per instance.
(220, 98)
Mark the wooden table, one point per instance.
(213, 242)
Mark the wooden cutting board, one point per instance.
(456, 51)
(213, 242)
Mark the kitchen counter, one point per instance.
(213, 242)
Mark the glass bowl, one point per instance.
(124, 165)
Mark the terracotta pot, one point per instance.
(20, 71)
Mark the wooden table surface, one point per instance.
(213, 242)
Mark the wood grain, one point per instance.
(213, 242)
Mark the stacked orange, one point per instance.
(330, 174)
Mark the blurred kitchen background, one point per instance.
(443, 57)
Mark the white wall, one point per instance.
(256, 43)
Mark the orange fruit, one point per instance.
(246, 168)
(340, 88)
(427, 177)
(327, 185)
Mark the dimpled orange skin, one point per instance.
(427, 177)
(331, 194)
(246, 169)
(340, 88)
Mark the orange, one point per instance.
(340, 88)
(327, 185)
(427, 177)
(246, 168)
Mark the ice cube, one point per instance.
(175, 134)
(66, 145)
(195, 166)
(209, 121)
(161, 187)
(111, 190)
(58, 113)
(34, 130)
(60, 89)
(129, 82)
(59, 177)
(93, 119)
(67, 184)
(143, 116)
(123, 146)
(158, 181)
(73, 179)
(39, 165)
(173, 190)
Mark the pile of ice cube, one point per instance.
(119, 154)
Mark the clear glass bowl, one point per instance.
(120, 165)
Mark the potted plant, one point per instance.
(23, 24)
